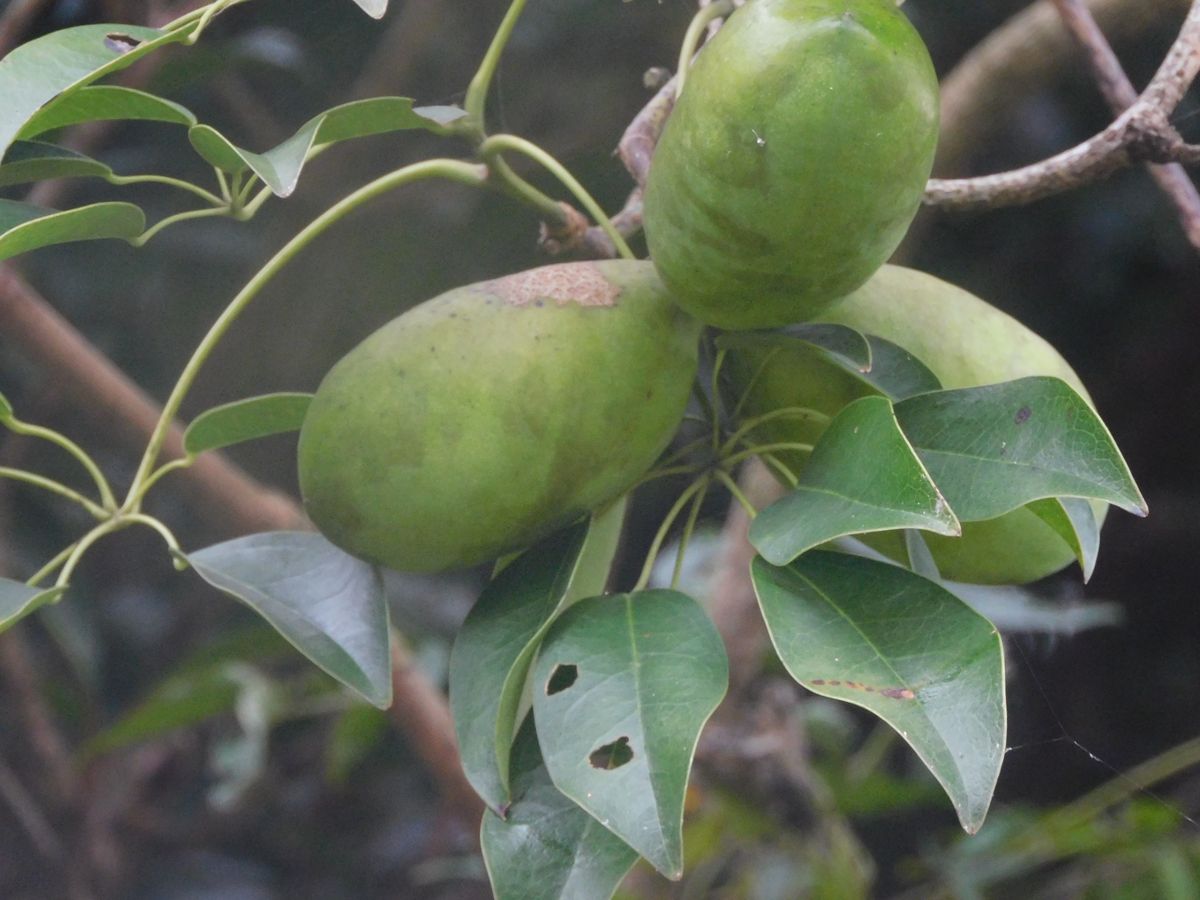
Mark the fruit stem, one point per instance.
(476, 100)
(494, 146)
(454, 170)
(688, 530)
(668, 520)
(691, 38)
(726, 479)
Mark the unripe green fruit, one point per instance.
(966, 343)
(794, 160)
(490, 416)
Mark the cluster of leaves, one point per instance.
(578, 711)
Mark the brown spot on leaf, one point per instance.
(1022, 415)
(578, 283)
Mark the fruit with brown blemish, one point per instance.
(794, 160)
(488, 417)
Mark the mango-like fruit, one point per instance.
(965, 342)
(794, 160)
(492, 415)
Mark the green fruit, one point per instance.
(794, 160)
(966, 343)
(490, 416)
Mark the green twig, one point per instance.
(688, 529)
(726, 479)
(664, 529)
(475, 102)
(756, 450)
(717, 408)
(48, 569)
(787, 412)
(207, 196)
(691, 39)
(107, 499)
(758, 373)
(150, 233)
(491, 149)
(53, 486)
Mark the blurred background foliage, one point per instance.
(217, 764)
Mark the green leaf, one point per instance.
(18, 600)
(920, 558)
(491, 657)
(839, 343)
(548, 848)
(621, 688)
(24, 227)
(373, 8)
(903, 647)
(246, 420)
(994, 449)
(59, 63)
(104, 103)
(32, 161)
(280, 167)
(328, 604)
(862, 476)
(895, 372)
(1075, 522)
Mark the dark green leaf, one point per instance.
(882, 638)
(862, 476)
(32, 161)
(490, 660)
(328, 604)
(373, 8)
(994, 449)
(246, 420)
(56, 64)
(621, 688)
(845, 346)
(895, 372)
(280, 168)
(104, 103)
(18, 600)
(1075, 522)
(548, 848)
(24, 227)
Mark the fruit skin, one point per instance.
(794, 160)
(966, 343)
(492, 415)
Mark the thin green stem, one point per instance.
(777, 464)
(755, 450)
(249, 210)
(53, 486)
(686, 450)
(83, 545)
(664, 529)
(107, 499)
(726, 479)
(667, 471)
(201, 13)
(475, 102)
(48, 569)
(453, 170)
(151, 522)
(167, 468)
(517, 187)
(758, 373)
(787, 412)
(689, 529)
(223, 184)
(207, 196)
(691, 39)
(493, 146)
(243, 195)
(150, 233)
(718, 363)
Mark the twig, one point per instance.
(1143, 133)
(1120, 94)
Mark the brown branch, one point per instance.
(1143, 133)
(1120, 94)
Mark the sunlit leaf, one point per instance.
(280, 167)
(58, 63)
(328, 604)
(994, 449)
(18, 600)
(24, 227)
(490, 660)
(862, 476)
(882, 638)
(33, 161)
(621, 688)
(104, 102)
(547, 848)
(246, 420)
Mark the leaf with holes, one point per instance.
(621, 688)
(862, 476)
(547, 848)
(280, 167)
(245, 420)
(102, 103)
(994, 449)
(24, 227)
(1075, 522)
(328, 604)
(59, 63)
(903, 647)
(33, 161)
(18, 600)
(490, 660)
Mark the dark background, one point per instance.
(1104, 273)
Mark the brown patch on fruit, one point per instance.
(579, 283)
